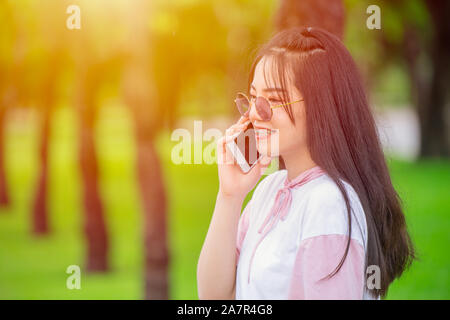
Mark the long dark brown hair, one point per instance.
(343, 140)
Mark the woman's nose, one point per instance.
(253, 114)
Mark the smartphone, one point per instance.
(243, 148)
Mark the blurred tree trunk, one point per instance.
(155, 212)
(4, 196)
(139, 97)
(140, 94)
(40, 87)
(94, 222)
(430, 94)
(45, 98)
(434, 114)
(40, 209)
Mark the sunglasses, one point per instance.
(262, 105)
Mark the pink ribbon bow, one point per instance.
(282, 204)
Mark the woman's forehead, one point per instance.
(266, 75)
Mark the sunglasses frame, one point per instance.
(271, 107)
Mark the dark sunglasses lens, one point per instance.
(242, 104)
(263, 108)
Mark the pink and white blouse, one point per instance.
(294, 233)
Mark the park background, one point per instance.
(86, 117)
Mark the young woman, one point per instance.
(330, 224)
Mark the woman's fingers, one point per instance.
(261, 166)
(234, 129)
(224, 154)
(243, 119)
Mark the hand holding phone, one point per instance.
(238, 176)
(243, 148)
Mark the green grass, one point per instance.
(425, 189)
(34, 267)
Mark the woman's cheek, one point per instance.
(288, 140)
(283, 142)
(274, 146)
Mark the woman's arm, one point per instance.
(216, 270)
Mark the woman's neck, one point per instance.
(297, 163)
